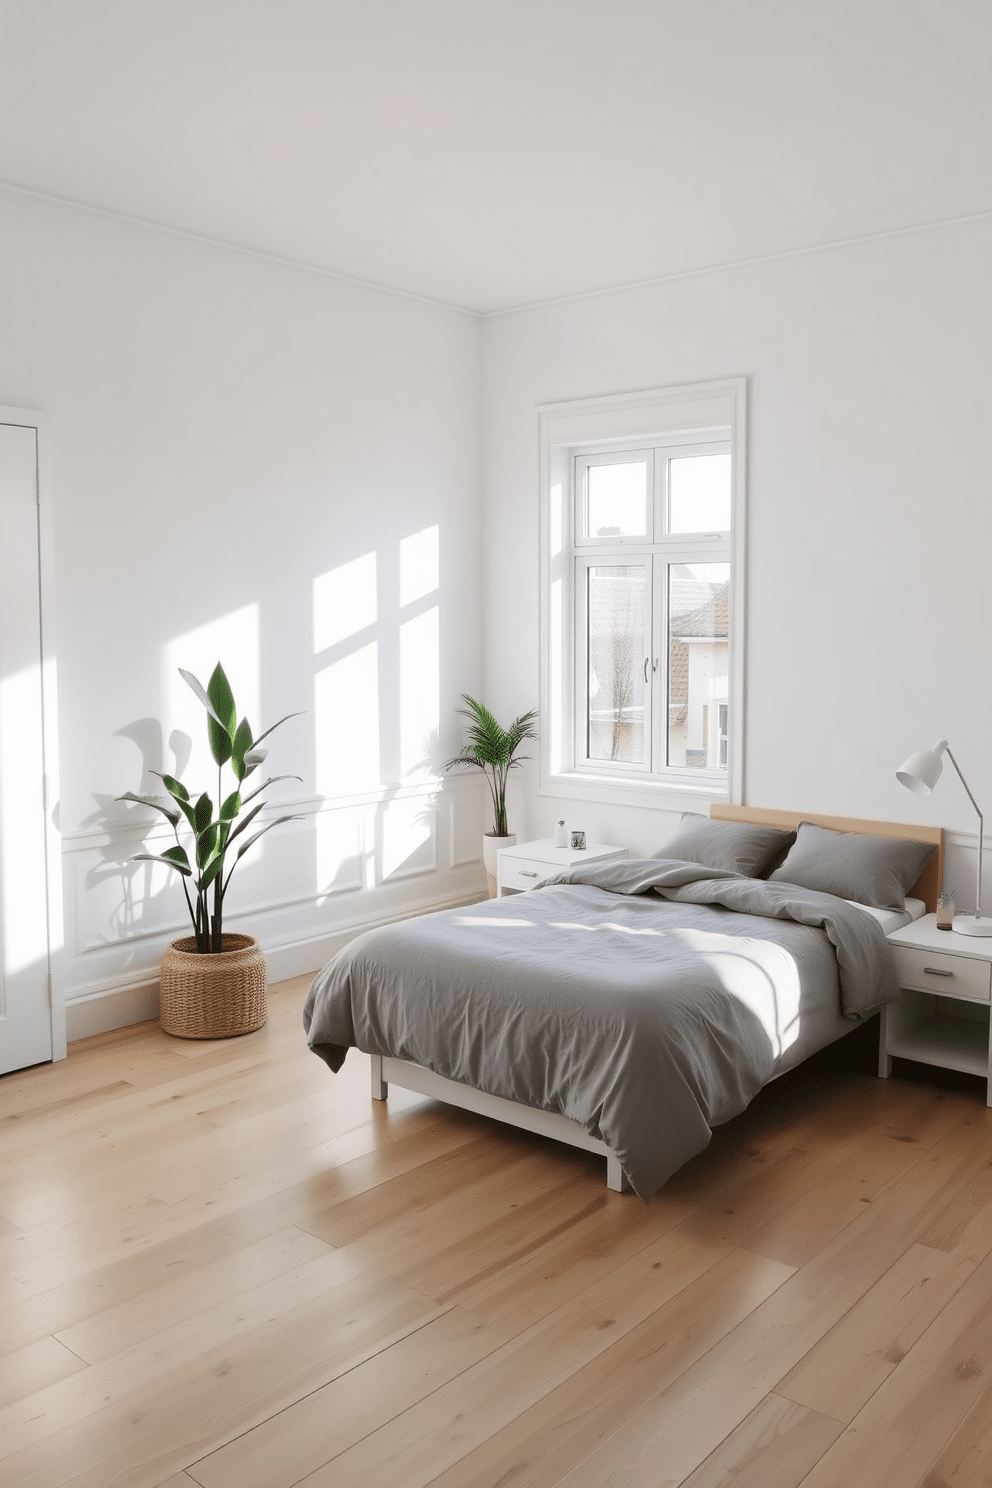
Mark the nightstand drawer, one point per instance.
(951, 976)
(524, 873)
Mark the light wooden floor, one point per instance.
(223, 1266)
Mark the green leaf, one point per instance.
(274, 726)
(200, 691)
(221, 727)
(489, 746)
(254, 838)
(156, 805)
(173, 786)
(231, 807)
(203, 813)
(206, 845)
(262, 831)
(220, 742)
(161, 858)
(265, 784)
(178, 856)
(222, 699)
(246, 821)
(182, 801)
(493, 749)
(209, 874)
(254, 758)
(241, 746)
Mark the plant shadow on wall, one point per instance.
(117, 866)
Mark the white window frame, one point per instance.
(692, 417)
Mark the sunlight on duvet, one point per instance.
(758, 973)
(761, 975)
(608, 925)
(494, 924)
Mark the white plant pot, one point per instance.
(491, 845)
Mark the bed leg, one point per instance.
(615, 1177)
(380, 1088)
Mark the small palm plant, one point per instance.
(493, 750)
(213, 837)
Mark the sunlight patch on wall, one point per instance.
(408, 838)
(419, 565)
(346, 724)
(340, 851)
(419, 694)
(344, 601)
(25, 923)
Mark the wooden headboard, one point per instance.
(927, 886)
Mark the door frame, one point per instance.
(32, 418)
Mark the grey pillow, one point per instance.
(879, 871)
(737, 846)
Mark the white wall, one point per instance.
(223, 431)
(870, 512)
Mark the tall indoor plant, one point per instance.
(493, 749)
(213, 983)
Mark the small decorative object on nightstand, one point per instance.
(578, 842)
(945, 912)
(920, 774)
(561, 833)
(529, 863)
(941, 1016)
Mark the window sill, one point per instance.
(660, 795)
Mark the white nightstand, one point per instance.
(942, 1014)
(528, 864)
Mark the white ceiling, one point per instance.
(497, 154)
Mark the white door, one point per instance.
(25, 997)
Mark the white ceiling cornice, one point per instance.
(488, 157)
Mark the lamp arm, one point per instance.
(981, 834)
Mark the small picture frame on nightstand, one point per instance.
(578, 841)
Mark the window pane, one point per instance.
(699, 493)
(616, 500)
(617, 618)
(698, 614)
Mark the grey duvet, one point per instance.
(647, 1000)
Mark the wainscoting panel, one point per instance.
(303, 890)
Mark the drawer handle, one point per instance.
(528, 873)
(934, 971)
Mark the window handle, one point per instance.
(649, 663)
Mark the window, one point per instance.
(643, 607)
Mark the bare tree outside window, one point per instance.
(616, 651)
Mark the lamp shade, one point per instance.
(922, 770)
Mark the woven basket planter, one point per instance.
(214, 996)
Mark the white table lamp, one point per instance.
(920, 774)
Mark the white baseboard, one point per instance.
(102, 1009)
(113, 1007)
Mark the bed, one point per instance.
(627, 1008)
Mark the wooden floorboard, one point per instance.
(222, 1266)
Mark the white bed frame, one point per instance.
(386, 1071)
